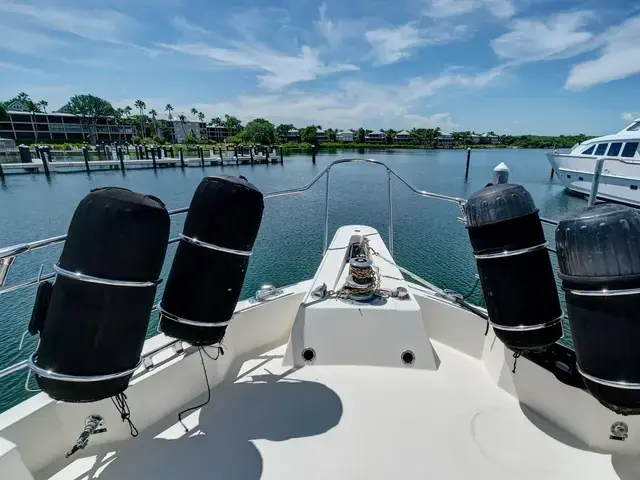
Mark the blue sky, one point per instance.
(511, 66)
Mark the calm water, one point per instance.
(427, 238)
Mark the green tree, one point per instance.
(4, 115)
(216, 122)
(43, 105)
(154, 114)
(390, 135)
(169, 108)
(194, 112)
(183, 120)
(190, 139)
(141, 106)
(309, 134)
(118, 113)
(89, 109)
(260, 131)
(360, 134)
(232, 123)
(332, 135)
(282, 130)
(237, 138)
(33, 108)
(201, 116)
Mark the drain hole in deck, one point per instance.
(308, 355)
(408, 357)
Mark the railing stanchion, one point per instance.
(390, 212)
(326, 216)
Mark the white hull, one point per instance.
(619, 182)
(459, 412)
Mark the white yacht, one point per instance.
(620, 175)
(363, 371)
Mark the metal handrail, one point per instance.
(8, 254)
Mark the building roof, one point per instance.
(403, 132)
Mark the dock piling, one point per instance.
(85, 155)
(266, 154)
(466, 172)
(171, 151)
(1, 172)
(201, 151)
(146, 152)
(181, 157)
(221, 159)
(313, 154)
(551, 176)
(153, 157)
(120, 152)
(281, 156)
(43, 157)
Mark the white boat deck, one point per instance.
(321, 422)
(356, 412)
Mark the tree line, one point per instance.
(149, 128)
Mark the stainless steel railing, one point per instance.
(9, 254)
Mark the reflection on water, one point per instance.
(427, 238)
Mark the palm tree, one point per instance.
(216, 121)
(140, 105)
(43, 105)
(33, 108)
(183, 120)
(201, 116)
(153, 114)
(169, 108)
(194, 112)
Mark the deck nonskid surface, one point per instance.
(354, 422)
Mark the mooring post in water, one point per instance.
(45, 163)
(146, 152)
(552, 172)
(466, 172)
(127, 145)
(313, 154)
(266, 154)
(153, 157)
(85, 154)
(171, 151)
(281, 156)
(121, 157)
(501, 174)
(201, 150)
(595, 183)
(220, 151)
(135, 147)
(251, 153)
(1, 172)
(181, 152)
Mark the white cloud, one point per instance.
(619, 57)
(390, 45)
(28, 42)
(352, 104)
(19, 68)
(450, 8)
(560, 36)
(422, 87)
(393, 44)
(335, 32)
(282, 69)
(630, 116)
(94, 24)
(183, 25)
